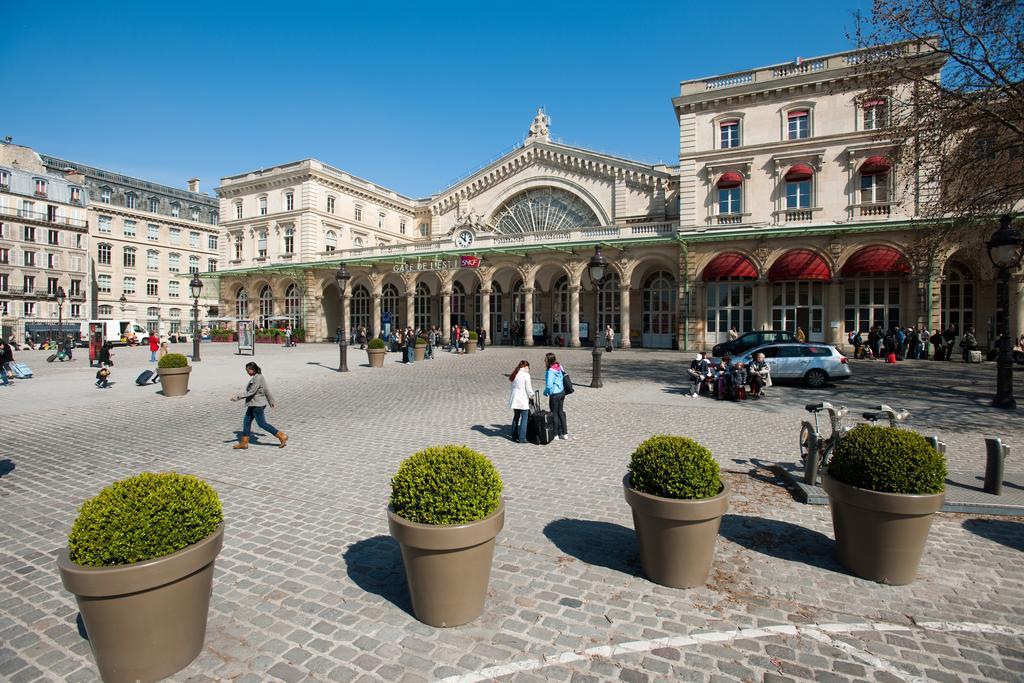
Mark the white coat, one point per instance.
(521, 391)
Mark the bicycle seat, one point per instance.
(814, 407)
(871, 417)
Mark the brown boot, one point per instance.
(283, 438)
(243, 444)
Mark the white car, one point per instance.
(816, 364)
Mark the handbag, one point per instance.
(567, 384)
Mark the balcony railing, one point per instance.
(43, 217)
(876, 210)
(22, 291)
(730, 219)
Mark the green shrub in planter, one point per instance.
(173, 360)
(674, 467)
(143, 517)
(888, 460)
(421, 341)
(472, 336)
(446, 484)
(376, 343)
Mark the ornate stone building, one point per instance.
(789, 208)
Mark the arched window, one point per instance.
(729, 292)
(103, 254)
(106, 311)
(152, 260)
(331, 241)
(389, 303)
(153, 319)
(175, 315)
(658, 324)
(496, 316)
(543, 210)
(873, 278)
(292, 305)
(193, 264)
(958, 297)
(289, 240)
(129, 257)
(608, 312)
(241, 304)
(266, 305)
(421, 307)
(359, 309)
(357, 242)
(560, 308)
(458, 303)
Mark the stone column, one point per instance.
(346, 319)
(624, 317)
(375, 320)
(446, 314)
(485, 312)
(528, 311)
(762, 305)
(410, 308)
(698, 315)
(834, 311)
(574, 315)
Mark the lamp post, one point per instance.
(60, 295)
(123, 301)
(1004, 250)
(597, 267)
(196, 287)
(342, 277)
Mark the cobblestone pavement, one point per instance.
(309, 585)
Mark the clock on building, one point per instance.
(464, 239)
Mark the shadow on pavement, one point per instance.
(375, 565)
(493, 430)
(598, 543)
(782, 540)
(80, 624)
(6, 466)
(1010, 534)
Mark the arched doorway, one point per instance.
(422, 318)
(873, 282)
(293, 306)
(241, 304)
(359, 309)
(560, 310)
(658, 317)
(458, 314)
(266, 306)
(957, 296)
(798, 280)
(729, 287)
(389, 308)
(609, 310)
(496, 316)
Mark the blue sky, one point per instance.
(408, 95)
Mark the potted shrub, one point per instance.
(678, 500)
(421, 348)
(884, 486)
(222, 334)
(174, 371)
(471, 344)
(140, 562)
(375, 351)
(445, 511)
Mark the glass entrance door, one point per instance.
(730, 304)
(799, 304)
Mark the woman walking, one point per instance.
(257, 397)
(554, 389)
(519, 400)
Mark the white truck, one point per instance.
(115, 331)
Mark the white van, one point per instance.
(115, 330)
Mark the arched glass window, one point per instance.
(658, 323)
(289, 240)
(421, 307)
(496, 314)
(458, 303)
(292, 305)
(331, 241)
(241, 304)
(560, 308)
(542, 210)
(958, 297)
(266, 305)
(357, 242)
(129, 257)
(389, 303)
(608, 312)
(359, 309)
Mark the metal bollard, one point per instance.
(940, 446)
(994, 460)
(811, 466)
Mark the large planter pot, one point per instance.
(880, 536)
(470, 346)
(421, 352)
(147, 620)
(269, 340)
(447, 567)
(224, 338)
(174, 381)
(677, 537)
(376, 357)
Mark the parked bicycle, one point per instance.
(815, 450)
(896, 418)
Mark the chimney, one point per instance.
(74, 175)
(193, 185)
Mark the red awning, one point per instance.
(796, 114)
(799, 264)
(875, 166)
(799, 172)
(876, 259)
(729, 265)
(730, 122)
(873, 103)
(730, 179)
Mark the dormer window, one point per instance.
(175, 210)
(194, 213)
(5, 180)
(76, 195)
(729, 133)
(105, 194)
(129, 201)
(154, 205)
(875, 112)
(40, 187)
(799, 121)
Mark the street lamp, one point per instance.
(61, 296)
(196, 287)
(342, 277)
(597, 267)
(1005, 253)
(123, 301)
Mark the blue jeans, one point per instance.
(152, 356)
(556, 404)
(3, 374)
(520, 416)
(256, 413)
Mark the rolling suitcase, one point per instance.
(51, 358)
(145, 378)
(20, 370)
(541, 428)
(974, 356)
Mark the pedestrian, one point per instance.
(103, 378)
(698, 373)
(759, 375)
(463, 339)
(733, 334)
(6, 358)
(609, 338)
(801, 336)
(554, 389)
(519, 400)
(287, 336)
(257, 397)
(938, 345)
(428, 353)
(106, 355)
(923, 336)
(164, 350)
(69, 345)
(900, 338)
(858, 344)
(361, 337)
(948, 337)
(968, 343)
(515, 333)
(481, 336)
(154, 346)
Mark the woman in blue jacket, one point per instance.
(554, 389)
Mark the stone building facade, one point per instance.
(146, 241)
(789, 208)
(43, 246)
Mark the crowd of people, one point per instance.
(405, 340)
(915, 343)
(727, 381)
